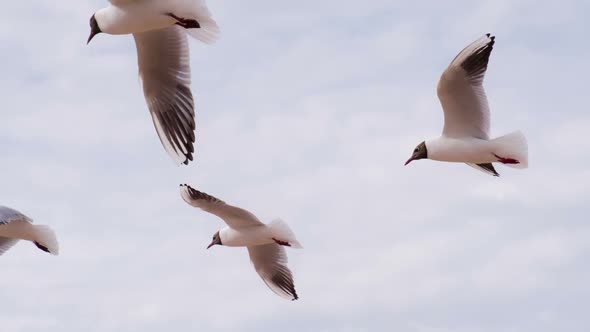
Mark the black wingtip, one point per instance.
(189, 157)
(187, 187)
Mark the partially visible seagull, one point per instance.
(265, 243)
(466, 132)
(16, 226)
(159, 28)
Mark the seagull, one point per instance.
(266, 243)
(466, 133)
(16, 226)
(160, 29)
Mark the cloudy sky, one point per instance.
(306, 111)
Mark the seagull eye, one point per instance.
(416, 150)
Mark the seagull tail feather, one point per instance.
(513, 146)
(45, 239)
(208, 31)
(281, 231)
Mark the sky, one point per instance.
(307, 111)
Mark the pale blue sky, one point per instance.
(305, 111)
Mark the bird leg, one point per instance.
(40, 246)
(507, 160)
(281, 243)
(187, 23)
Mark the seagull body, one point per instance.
(466, 132)
(133, 17)
(469, 150)
(248, 236)
(160, 29)
(16, 226)
(265, 243)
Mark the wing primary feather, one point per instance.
(476, 64)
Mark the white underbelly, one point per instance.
(253, 236)
(465, 151)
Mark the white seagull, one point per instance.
(265, 243)
(160, 30)
(16, 226)
(466, 133)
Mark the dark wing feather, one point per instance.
(233, 216)
(164, 69)
(270, 261)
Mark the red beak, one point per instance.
(409, 160)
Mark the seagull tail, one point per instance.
(208, 31)
(45, 239)
(513, 148)
(282, 232)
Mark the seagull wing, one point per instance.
(234, 217)
(8, 215)
(6, 243)
(461, 92)
(164, 70)
(270, 261)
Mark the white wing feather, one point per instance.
(6, 243)
(461, 93)
(8, 215)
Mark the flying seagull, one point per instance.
(466, 133)
(16, 226)
(160, 30)
(266, 243)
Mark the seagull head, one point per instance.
(216, 240)
(94, 28)
(420, 152)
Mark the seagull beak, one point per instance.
(409, 160)
(211, 245)
(92, 34)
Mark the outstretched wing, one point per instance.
(6, 243)
(461, 92)
(164, 70)
(234, 217)
(270, 261)
(8, 215)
